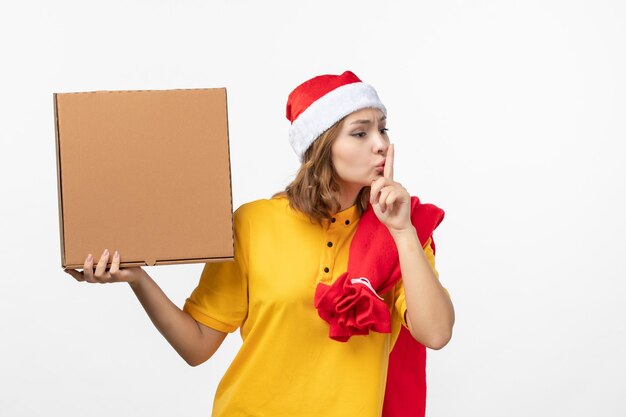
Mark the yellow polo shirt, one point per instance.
(287, 364)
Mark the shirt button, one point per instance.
(330, 244)
(347, 222)
(326, 269)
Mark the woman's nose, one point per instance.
(381, 144)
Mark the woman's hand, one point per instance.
(390, 200)
(102, 276)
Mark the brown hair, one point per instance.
(313, 191)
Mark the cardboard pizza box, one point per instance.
(146, 173)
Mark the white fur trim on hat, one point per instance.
(329, 109)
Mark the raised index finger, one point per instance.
(388, 172)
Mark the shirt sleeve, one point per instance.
(400, 298)
(220, 300)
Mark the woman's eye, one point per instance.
(384, 131)
(359, 134)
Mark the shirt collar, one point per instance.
(347, 217)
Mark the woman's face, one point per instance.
(358, 153)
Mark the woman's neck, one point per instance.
(347, 196)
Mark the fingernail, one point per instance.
(116, 254)
(89, 258)
(105, 253)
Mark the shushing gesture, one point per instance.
(390, 200)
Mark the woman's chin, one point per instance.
(364, 181)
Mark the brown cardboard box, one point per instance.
(146, 173)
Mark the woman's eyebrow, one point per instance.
(366, 121)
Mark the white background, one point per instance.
(509, 115)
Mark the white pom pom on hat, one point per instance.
(318, 103)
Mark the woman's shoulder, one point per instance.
(263, 207)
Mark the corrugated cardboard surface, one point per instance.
(146, 173)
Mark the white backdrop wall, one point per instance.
(509, 115)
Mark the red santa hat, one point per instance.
(318, 103)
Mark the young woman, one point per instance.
(315, 285)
